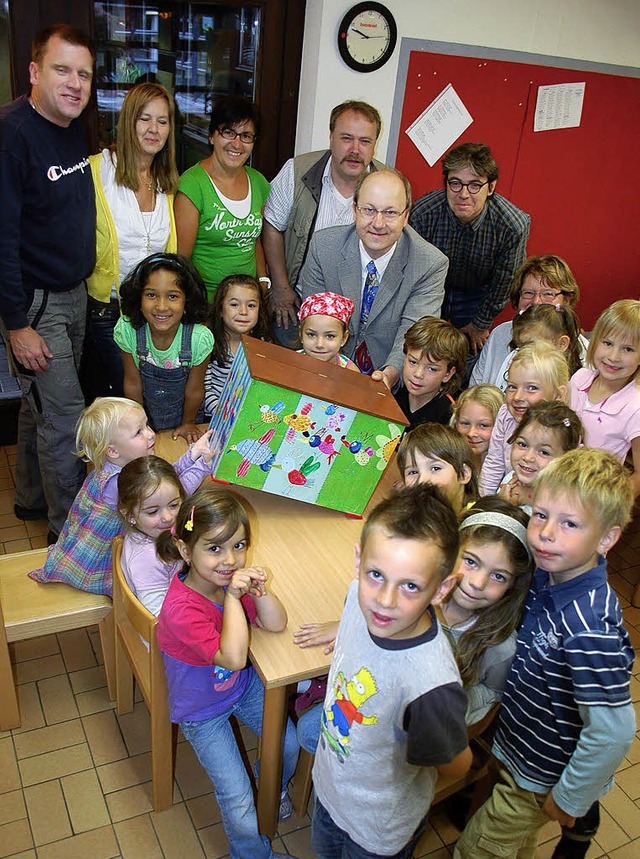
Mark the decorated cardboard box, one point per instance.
(293, 425)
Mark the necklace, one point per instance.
(147, 223)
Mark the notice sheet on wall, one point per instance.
(440, 125)
(559, 106)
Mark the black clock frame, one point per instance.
(344, 28)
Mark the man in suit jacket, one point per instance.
(406, 283)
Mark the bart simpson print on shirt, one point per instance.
(339, 717)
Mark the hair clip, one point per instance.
(566, 422)
(558, 307)
(173, 530)
(188, 525)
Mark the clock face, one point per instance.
(367, 36)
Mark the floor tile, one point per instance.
(176, 833)
(130, 801)
(49, 739)
(125, 773)
(35, 648)
(85, 802)
(58, 702)
(97, 844)
(39, 669)
(137, 839)
(55, 764)
(15, 837)
(203, 810)
(9, 774)
(30, 708)
(104, 737)
(88, 679)
(12, 806)
(47, 812)
(76, 650)
(214, 841)
(136, 729)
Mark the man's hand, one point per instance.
(29, 349)
(390, 376)
(285, 304)
(477, 337)
(554, 812)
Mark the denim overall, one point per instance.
(162, 388)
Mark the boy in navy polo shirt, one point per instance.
(566, 720)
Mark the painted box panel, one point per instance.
(292, 425)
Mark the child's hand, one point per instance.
(315, 634)
(511, 491)
(251, 580)
(554, 812)
(202, 447)
(188, 431)
(240, 584)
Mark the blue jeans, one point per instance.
(48, 473)
(215, 745)
(308, 728)
(331, 842)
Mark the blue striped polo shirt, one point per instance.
(572, 650)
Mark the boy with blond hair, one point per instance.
(394, 714)
(435, 358)
(566, 720)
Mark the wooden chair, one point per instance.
(134, 659)
(445, 785)
(29, 609)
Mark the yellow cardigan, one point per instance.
(107, 270)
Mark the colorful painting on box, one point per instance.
(289, 443)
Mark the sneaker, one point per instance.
(286, 808)
(316, 692)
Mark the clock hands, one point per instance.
(365, 35)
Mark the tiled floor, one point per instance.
(75, 778)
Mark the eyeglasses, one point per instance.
(473, 187)
(546, 296)
(369, 213)
(230, 134)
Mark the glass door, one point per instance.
(198, 51)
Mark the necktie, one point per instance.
(361, 355)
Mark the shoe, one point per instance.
(286, 808)
(315, 692)
(52, 538)
(30, 514)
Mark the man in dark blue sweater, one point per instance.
(47, 248)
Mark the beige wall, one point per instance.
(601, 31)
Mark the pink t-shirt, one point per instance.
(188, 632)
(612, 424)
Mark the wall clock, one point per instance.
(367, 36)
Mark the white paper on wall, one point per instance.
(559, 106)
(439, 125)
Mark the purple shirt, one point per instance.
(188, 632)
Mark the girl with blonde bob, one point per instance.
(606, 395)
(474, 415)
(538, 372)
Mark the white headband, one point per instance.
(499, 520)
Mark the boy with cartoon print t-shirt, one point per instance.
(394, 714)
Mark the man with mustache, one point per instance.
(313, 191)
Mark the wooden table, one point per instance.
(308, 551)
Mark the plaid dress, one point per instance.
(82, 555)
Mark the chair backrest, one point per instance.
(136, 630)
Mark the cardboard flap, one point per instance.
(299, 372)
